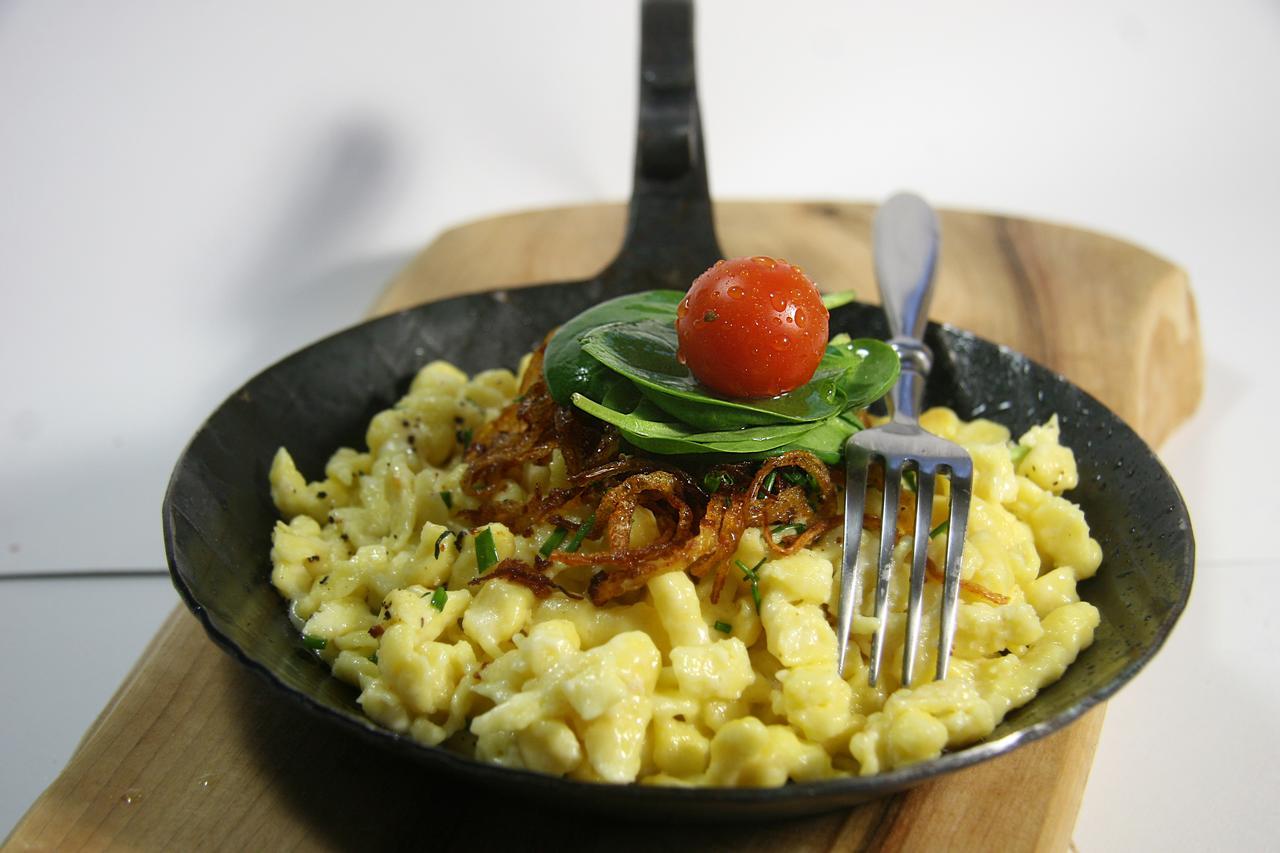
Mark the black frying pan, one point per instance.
(218, 513)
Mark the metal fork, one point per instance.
(906, 252)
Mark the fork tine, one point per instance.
(888, 537)
(855, 499)
(919, 554)
(957, 521)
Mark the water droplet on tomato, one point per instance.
(682, 308)
(777, 301)
(736, 292)
(802, 317)
(765, 261)
(680, 356)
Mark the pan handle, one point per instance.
(670, 237)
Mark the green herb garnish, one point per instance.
(553, 542)
(712, 481)
(581, 533)
(767, 485)
(909, 480)
(780, 530)
(649, 428)
(373, 658)
(835, 300)
(486, 551)
(1018, 453)
(940, 529)
(753, 575)
(313, 642)
(570, 371)
(724, 627)
(464, 437)
(617, 361)
(850, 374)
(447, 497)
(440, 596)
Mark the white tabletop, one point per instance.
(189, 191)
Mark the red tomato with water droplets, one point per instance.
(752, 327)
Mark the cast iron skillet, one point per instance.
(218, 514)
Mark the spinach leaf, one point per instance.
(835, 300)
(648, 428)
(645, 353)
(825, 441)
(872, 369)
(852, 374)
(617, 361)
(569, 370)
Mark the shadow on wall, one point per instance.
(300, 287)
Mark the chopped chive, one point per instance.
(486, 551)
(712, 481)
(780, 530)
(373, 658)
(798, 478)
(940, 529)
(769, 479)
(582, 533)
(909, 480)
(313, 642)
(440, 541)
(753, 575)
(447, 497)
(464, 437)
(724, 627)
(440, 596)
(553, 542)
(1018, 453)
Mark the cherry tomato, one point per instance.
(752, 327)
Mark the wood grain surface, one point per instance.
(194, 752)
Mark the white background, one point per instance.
(189, 191)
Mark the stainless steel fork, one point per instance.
(906, 252)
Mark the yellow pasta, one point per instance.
(664, 687)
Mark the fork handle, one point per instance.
(905, 237)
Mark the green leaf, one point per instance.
(873, 367)
(835, 300)
(314, 643)
(645, 429)
(649, 428)
(570, 371)
(645, 353)
(617, 361)
(439, 598)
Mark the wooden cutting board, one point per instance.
(193, 752)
